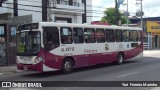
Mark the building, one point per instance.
(15, 12)
(70, 11)
(151, 29)
(100, 23)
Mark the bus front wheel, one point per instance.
(120, 58)
(67, 66)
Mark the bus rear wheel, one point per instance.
(67, 66)
(120, 58)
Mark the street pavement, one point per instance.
(143, 69)
(8, 69)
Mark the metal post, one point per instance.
(85, 11)
(84, 16)
(150, 41)
(141, 13)
(127, 15)
(141, 16)
(0, 3)
(44, 10)
(15, 6)
(116, 12)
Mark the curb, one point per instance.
(157, 88)
(8, 69)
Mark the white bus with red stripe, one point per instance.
(49, 46)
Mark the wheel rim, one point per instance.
(67, 66)
(120, 59)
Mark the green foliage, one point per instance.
(110, 16)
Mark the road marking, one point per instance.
(127, 74)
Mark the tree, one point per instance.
(110, 17)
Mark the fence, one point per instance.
(145, 45)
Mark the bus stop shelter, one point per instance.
(8, 30)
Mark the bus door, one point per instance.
(51, 42)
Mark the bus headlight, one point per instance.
(17, 60)
(37, 60)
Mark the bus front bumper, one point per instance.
(30, 67)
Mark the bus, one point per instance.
(49, 46)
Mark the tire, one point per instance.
(67, 66)
(120, 58)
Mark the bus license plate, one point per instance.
(25, 68)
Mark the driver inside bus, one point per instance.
(68, 40)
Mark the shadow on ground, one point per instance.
(77, 70)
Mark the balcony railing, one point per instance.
(76, 4)
(62, 5)
(68, 3)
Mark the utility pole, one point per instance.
(116, 12)
(0, 3)
(126, 14)
(15, 6)
(84, 16)
(140, 13)
(44, 10)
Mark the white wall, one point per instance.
(36, 12)
(79, 18)
(89, 10)
(6, 10)
(23, 10)
(75, 18)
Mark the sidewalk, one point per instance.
(157, 49)
(151, 53)
(8, 69)
(157, 88)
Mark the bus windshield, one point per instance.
(28, 43)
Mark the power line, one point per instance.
(44, 7)
(31, 1)
(96, 11)
(20, 9)
(78, 3)
(88, 11)
(41, 12)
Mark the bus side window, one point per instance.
(139, 35)
(110, 35)
(51, 38)
(66, 35)
(134, 36)
(118, 34)
(89, 35)
(100, 35)
(126, 36)
(78, 35)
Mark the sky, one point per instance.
(151, 8)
